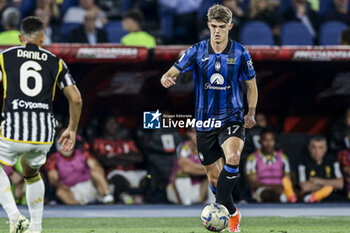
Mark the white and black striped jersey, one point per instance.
(30, 75)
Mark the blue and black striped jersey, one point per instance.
(217, 80)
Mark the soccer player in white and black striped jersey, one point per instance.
(30, 75)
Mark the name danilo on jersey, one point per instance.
(32, 55)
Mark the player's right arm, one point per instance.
(185, 63)
(169, 78)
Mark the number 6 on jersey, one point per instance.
(29, 69)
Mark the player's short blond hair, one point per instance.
(220, 13)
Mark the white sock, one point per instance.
(35, 199)
(6, 198)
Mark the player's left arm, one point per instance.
(252, 98)
(252, 90)
(71, 92)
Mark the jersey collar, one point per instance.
(226, 50)
(32, 46)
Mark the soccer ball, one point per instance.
(215, 217)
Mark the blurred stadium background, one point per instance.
(300, 53)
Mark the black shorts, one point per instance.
(209, 142)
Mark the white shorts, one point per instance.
(85, 192)
(134, 177)
(34, 154)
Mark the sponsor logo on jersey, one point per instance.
(16, 104)
(250, 64)
(216, 80)
(231, 61)
(217, 66)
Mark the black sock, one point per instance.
(226, 182)
(230, 205)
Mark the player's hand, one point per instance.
(67, 140)
(249, 121)
(168, 81)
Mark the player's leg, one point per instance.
(31, 161)
(231, 139)
(6, 198)
(232, 148)
(7, 201)
(35, 194)
(210, 154)
(213, 172)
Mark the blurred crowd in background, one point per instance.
(112, 165)
(150, 22)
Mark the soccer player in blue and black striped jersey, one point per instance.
(219, 65)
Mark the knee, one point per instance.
(233, 158)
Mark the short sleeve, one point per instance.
(247, 65)
(64, 78)
(337, 170)
(302, 173)
(251, 165)
(286, 166)
(187, 60)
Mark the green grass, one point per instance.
(190, 225)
